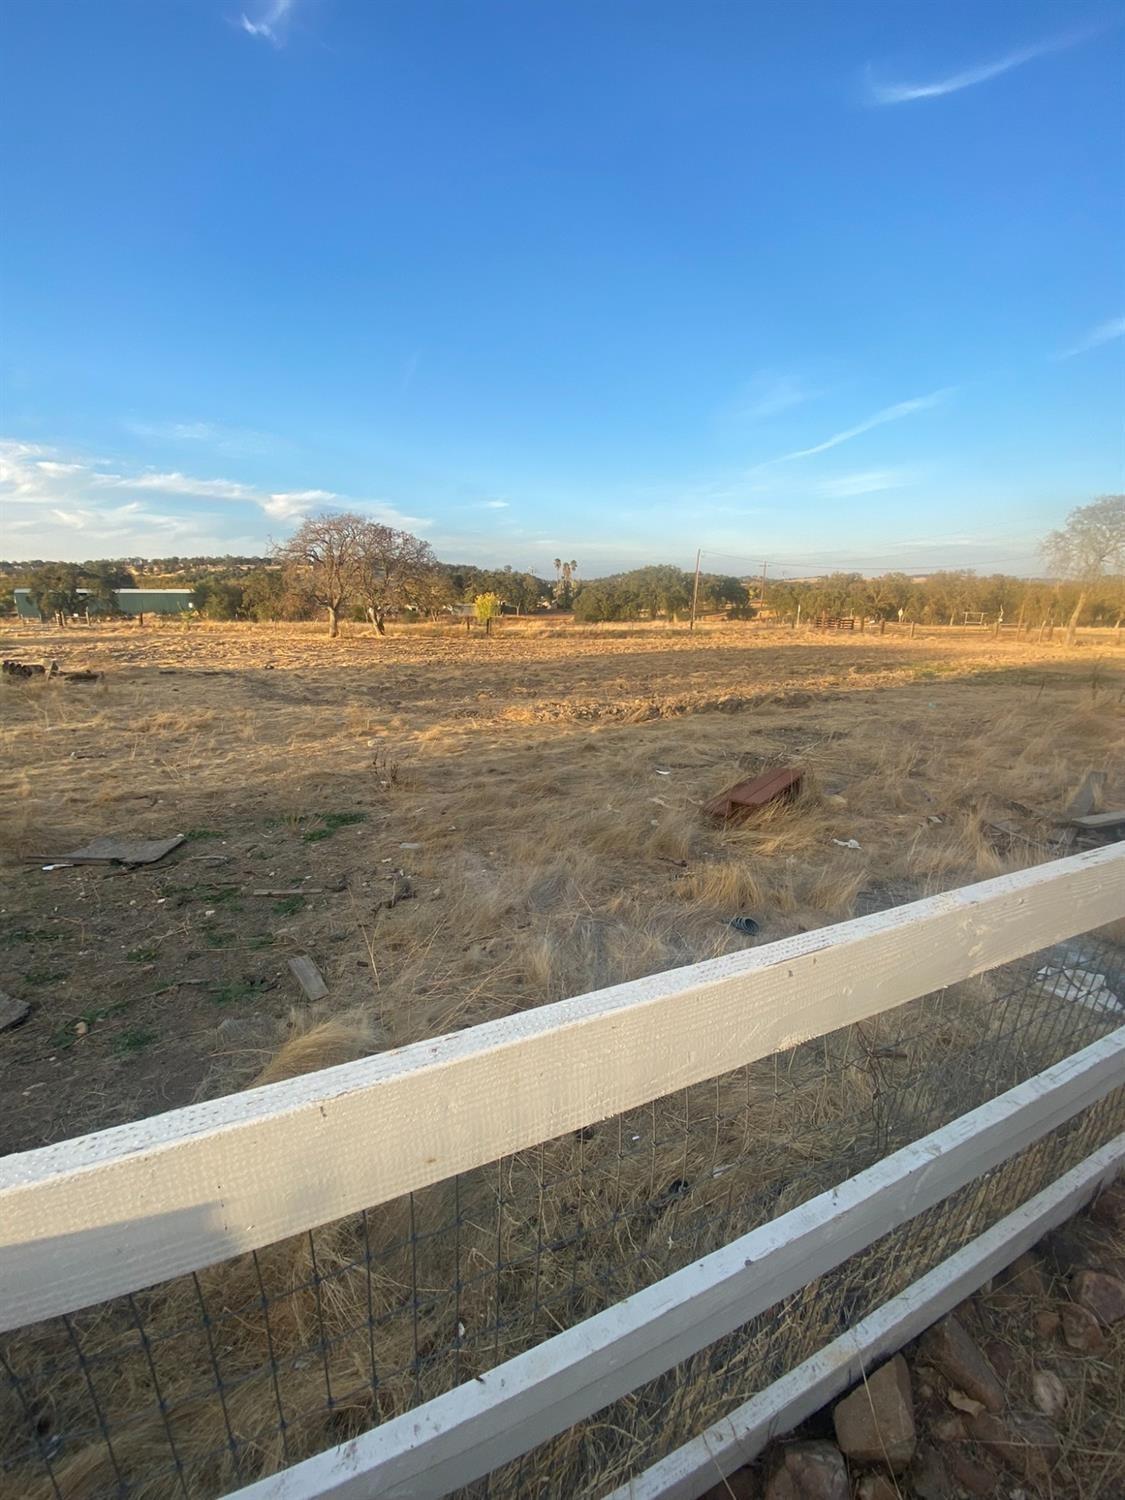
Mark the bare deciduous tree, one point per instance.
(1090, 547)
(325, 561)
(397, 572)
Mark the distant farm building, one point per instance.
(129, 602)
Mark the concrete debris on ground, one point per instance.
(308, 976)
(110, 850)
(1080, 985)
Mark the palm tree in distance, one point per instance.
(565, 582)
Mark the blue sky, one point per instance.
(821, 283)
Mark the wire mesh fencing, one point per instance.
(209, 1381)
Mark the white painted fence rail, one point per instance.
(480, 1425)
(739, 1438)
(105, 1214)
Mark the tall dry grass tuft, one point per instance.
(320, 1044)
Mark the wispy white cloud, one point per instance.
(270, 24)
(179, 484)
(893, 413)
(906, 93)
(769, 395)
(56, 470)
(78, 495)
(1104, 333)
(494, 505)
(216, 435)
(867, 482)
(77, 520)
(288, 504)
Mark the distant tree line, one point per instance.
(659, 590)
(344, 565)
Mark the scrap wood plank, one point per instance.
(180, 1191)
(309, 977)
(744, 796)
(1098, 821)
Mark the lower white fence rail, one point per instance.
(741, 1436)
(462, 1436)
(555, 1253)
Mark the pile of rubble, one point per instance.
(959, 1413)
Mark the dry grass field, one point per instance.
(474, 825)
(457, 827)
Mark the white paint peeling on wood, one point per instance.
(134, 1205)
(459, 1437)
(736, 1440)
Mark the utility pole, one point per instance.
(695, 587)
(764, 566)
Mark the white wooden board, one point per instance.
(91, 1218)
(708, 1459)
(472, 1430)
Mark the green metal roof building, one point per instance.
(129, 602)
